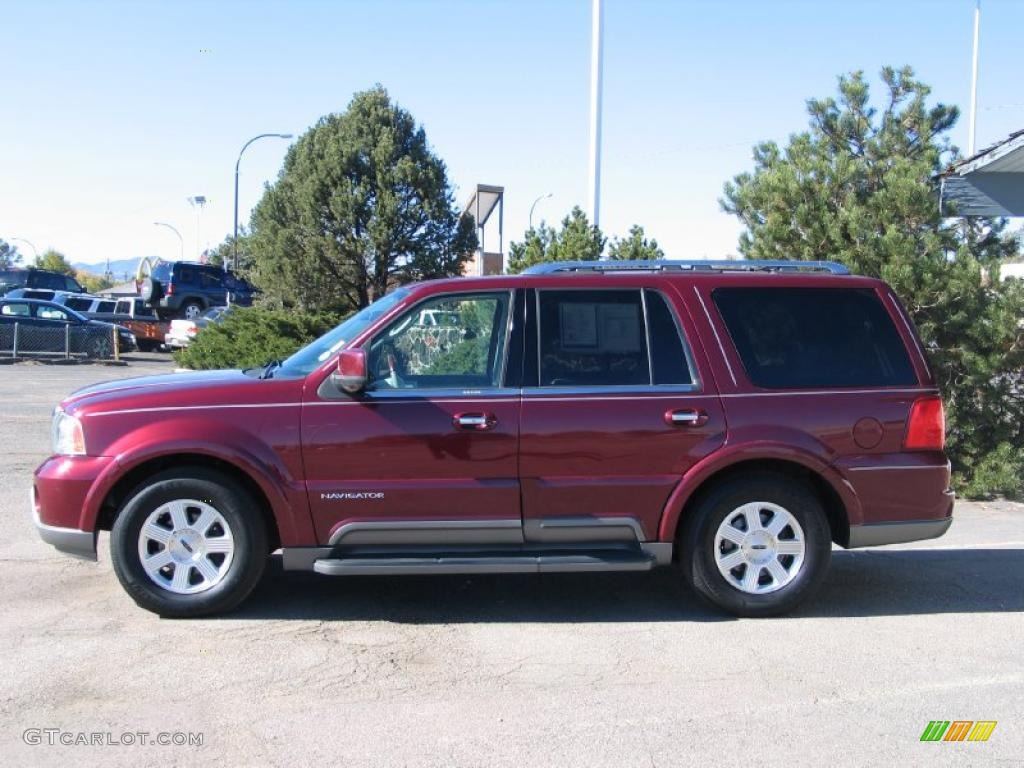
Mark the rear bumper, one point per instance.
(879, 534)
(70, 541)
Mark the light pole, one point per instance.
(234, 242)
(974, 81)
(197, 202)
(23, 240)
(596, 30)
(542, 197)
(181, 240)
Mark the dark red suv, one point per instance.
(732, 418)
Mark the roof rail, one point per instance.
(669, 265)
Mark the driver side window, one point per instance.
(448, 342)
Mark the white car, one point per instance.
(183, 331)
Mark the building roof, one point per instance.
(989, 183)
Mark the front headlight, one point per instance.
(68, 438)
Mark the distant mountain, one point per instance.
(118, 267)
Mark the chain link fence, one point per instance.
(64, 341)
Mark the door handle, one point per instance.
(475, 421)
(686, 417)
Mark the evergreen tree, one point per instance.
(636, 247)
(858, 187)
(362, 204)
(9, 256)
(55, 261)
(577, 240)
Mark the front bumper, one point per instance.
(70, 541)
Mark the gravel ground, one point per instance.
(560, 670)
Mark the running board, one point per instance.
(398, 566)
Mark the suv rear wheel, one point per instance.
(757, 545)
(191, 309)
(189, 543)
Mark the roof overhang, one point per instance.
(483, 201)
(990, 183)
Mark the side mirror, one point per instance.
(351, 375)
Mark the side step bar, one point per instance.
(397, 566)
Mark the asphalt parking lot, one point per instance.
(560, 670)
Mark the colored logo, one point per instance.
(958, 730)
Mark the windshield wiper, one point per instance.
(268, 371)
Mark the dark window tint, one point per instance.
(142, 309)
(79, 305)
(210, 280)
(669, 363)
(592, 338)
(814, 337)
(162, 271)
(185, 274)
(70, 284)
(104, 306)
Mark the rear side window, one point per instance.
(79, 305)
(793, 338)
(669, 361)
(104, 307)
(162, 271)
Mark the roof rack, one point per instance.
(668, 265)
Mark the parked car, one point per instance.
(181, 332)
(734, 419)
(135, 315)
(187, 289)
(84, 303)
(46, 327)
(36, 279)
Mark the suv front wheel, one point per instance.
(189, 543)
(757, 545)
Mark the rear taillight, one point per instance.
(926, 427)
(170, 289)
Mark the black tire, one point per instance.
(232, 502)
(698, 548)
(191, 306)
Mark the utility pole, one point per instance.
(596, 50)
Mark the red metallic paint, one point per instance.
(571, 456)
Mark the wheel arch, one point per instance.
(836, 495)
(115, 498)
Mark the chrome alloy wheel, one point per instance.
(186, 546)
(759, 547)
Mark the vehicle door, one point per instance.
(427, 455)
(617, 405)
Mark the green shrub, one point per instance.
(253, 337)
(999, 473)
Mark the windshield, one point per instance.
(313, 355)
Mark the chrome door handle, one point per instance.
(477, 421)
(687, 417)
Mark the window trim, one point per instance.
(416, 393)
(650, 388)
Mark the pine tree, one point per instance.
(858, 187)
(577, 240)
(635, 247)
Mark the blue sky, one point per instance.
(113, 115)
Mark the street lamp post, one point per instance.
(596, 30)
(197, 202)
(181, 240)
(234, 242)
(542, 197)
(35, 250)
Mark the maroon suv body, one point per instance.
(579, 417)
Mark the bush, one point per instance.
(1000, 473)
(247, 338)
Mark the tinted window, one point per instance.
(185, 274)
(162, 271)
(12, 277)
(669, 362)
(70, 284)
(45, 312)
(142, 309)
(210, 280)
(81, 305)
(814, 337)
(104, 306)
(17, 310)
(592, 338)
